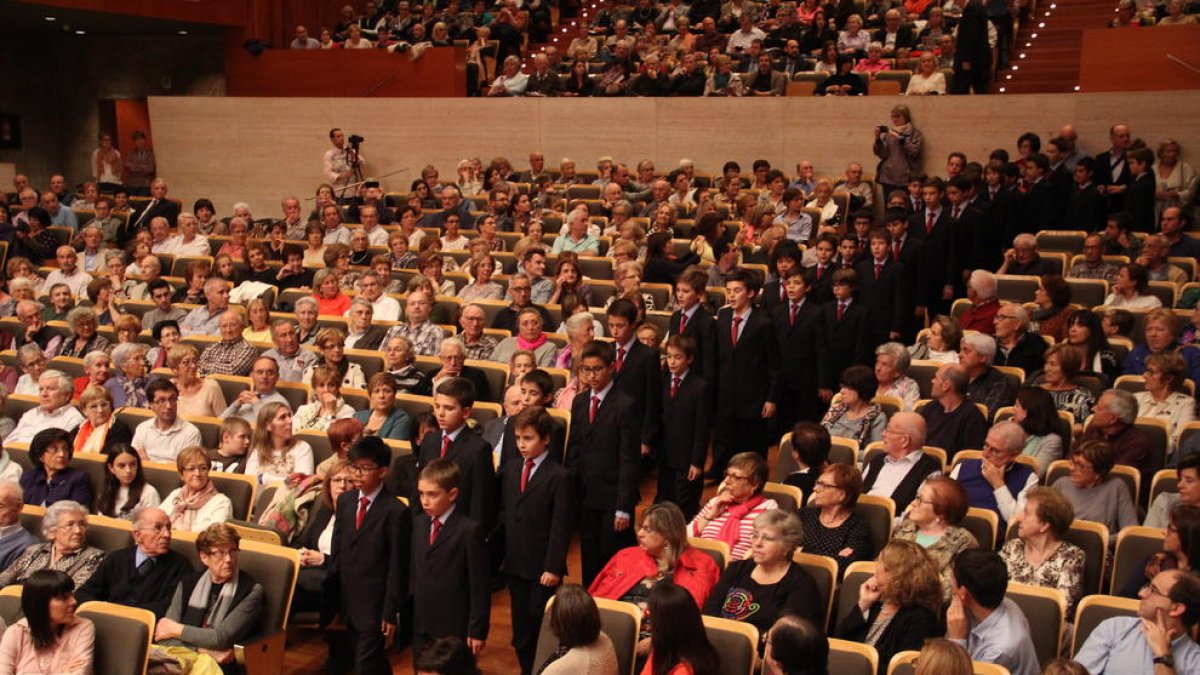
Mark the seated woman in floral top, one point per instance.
(891, 371)
(1038, 555)
(853, 415)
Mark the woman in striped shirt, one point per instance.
(729, 516)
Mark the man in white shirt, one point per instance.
(162, 438)
(900, 471)
(369, 216)
(338, 162)
(370, 287)
(54, 394)
(189, 242)
(69, 273)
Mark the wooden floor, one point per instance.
(306, 652)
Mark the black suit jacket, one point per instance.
(501, 429)
(932, 267)
(141, 217)
(1104, 176)
(702, 328)
(1041, 207)
(848, 339)
(746, 372)
(604, 456)
(117, 580)
(905, 37)
(372, 338)
(537, 522)
(908, 630)
(640, 379)
(368, 574)
(770, 295)
(906, 491)
(821, 290)
(1139, 201)
(973, 44)
(887, 299)
(476, 494)
(804, 363)
(1086, 209)
(450, 578)
(687, 422)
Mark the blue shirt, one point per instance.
(1003, 639)
(1117, 647)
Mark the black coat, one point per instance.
(1104, 176)
(906, 491)
(886, 298)
(746, 372)
(908, 630)
(450, 579)
(849, 341)
(604, 455)
(702, 328)
(117, 580)
(368, 575)
(538, 522)
(687, 422)
(1086, 209)
(1139, 202)
(973, 44)
(372, 338)
(476, 492)
(1041, 207)
(640, 379)
(804, 363)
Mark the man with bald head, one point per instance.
(997, 481)
(952, 422)
(1073, 153)
(232, 355)
(496, 432)
(60, 215)
(143, 575)
(69, 272)
(1112, 169)
(900, 470)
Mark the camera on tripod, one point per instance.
(355, 140)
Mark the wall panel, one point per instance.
(259, 149)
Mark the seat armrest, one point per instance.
(263, 654)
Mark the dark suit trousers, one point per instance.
(794, 406)
(598, 541)
(529, 600)
(673, 486)
(734, 434)
(370, 657)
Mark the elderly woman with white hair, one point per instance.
(15, 540)
(84, 338)
(128, 382)
(997, 482)
(981, 315)
(189, 242)
(64, 526)
(114, 267)
(891, 367)
(580, 329)
(1023, 258)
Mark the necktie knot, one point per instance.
(445, 444)
(433, 532)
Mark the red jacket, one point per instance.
(694, 571)
(981, 317)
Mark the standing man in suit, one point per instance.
(537, 509)
(1086, 206)
(908, 249)
(686, 429)
(452, 404)
(158, 206)
(805, 382)
(973, 54)
(692, 320)
(449, 564)
(1112, 169)
(845, 321)
(368, 570)
(820, 274)
(883, 291)
(747, 366)
(603, 456)
(636, 369)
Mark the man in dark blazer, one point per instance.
(637, 372)
(845, 321)
(453, 440)
(537, 508)
(747, 366)
(144, 575)
(805, 381)
(909, 250)
(453, 355)
(905, 36)
(1042, 202)
(686, 428)
(956, 246)
(900, 469)
(603, 456)
(143, 213)
(973, 54)
(693, 320)
(883, 291)
(786, 256)
(449, 564)
(1112, 168)
(820, 275)
(368, 568)
(361, 333)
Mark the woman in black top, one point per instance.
(810, 451)
(578, 82)
(662, 267)
(831, 527)
(768, 584)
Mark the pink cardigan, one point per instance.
(72, 655)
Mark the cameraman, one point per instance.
(898, 148)
(340, 164)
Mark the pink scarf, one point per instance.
(188, 503)
(531, 345)
(731, 531)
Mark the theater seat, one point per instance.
(1095, 609)
(824, 571)
(123, 636)
(736, 642)
(852, 658)
(1045, 609)
(620, 621)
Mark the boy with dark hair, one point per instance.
(785, 257)
(636, 369)
(846, 323)
(369, 559)
(685, 429)
(449, 563)
(537, 512)
(748, 360)
(883, 291)
(805, 383)
(446, 656)
(693, 320)
(603, 456)
(537, 390)
(452, 404)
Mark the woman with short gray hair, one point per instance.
(83, 338)
(64, 526)
(769, 578)
(128, 382)
(891, 367)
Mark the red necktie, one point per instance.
(878, 269)
(957, 212)
(433, 533)
(620, 358)
(841, 310)
(896, 250)
(820, 271)
(674, 385)
(445, 444)
(795, 309)
(733, 332)
(682, 321)
(929, 223)
(362, 512)
(525, 474)
(595, 407)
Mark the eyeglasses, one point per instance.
(196, 468)
(361, 469)
(223, 554)
(1154, 591)
(921, 500)
(826, 486)
(731, 477)
(341, 481)
(592, 369)
(1005, 317)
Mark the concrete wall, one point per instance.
(258, 150)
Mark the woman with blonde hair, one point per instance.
(326, 403)
(198, 397)
(275, 452)
(196, 504)
(940, 656)
(258, 321)
(898, 607)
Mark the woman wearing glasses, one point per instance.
(197, 504)
(729, 516)
(315, 540)
(831, 526)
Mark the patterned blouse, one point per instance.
(79, 565)
(866, 429)
(906, 389)
(942, 551)
(1062, 570)
(1177, 409)
(1077, 401)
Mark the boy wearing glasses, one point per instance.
(368, 564)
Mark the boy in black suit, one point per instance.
(449, 564)
(537, 509)
(603, 457)
(883, 291)
(685, 429)
(747, 361)
(785, 257)
(1139, 197)
(805, 383)
(368, 565)
(454, 441)
(821, 273)
(693, 320)
(636, 369)
(846, 323)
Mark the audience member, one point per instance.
(49, 637)
(980, 618)
(143, 575)
(1039, 555)
(64, 526)
(1094, 494)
